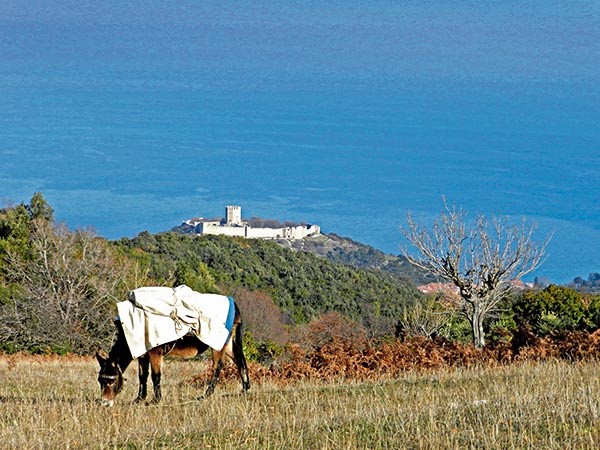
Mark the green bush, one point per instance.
(592, 316)
(502, 328)
(261, 352)
(554, 309)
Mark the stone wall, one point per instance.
(215, 227)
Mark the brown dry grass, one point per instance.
(50, 403)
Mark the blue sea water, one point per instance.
(136, 122)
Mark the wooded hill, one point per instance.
(341, 250)
(301, 283)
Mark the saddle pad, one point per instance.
(156, 315)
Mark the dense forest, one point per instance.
(58, 288)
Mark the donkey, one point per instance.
(113, 365)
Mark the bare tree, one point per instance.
(480, 259)
(68, 285)
(425, 318)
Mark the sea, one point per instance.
(131, 123)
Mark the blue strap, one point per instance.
(230, 315)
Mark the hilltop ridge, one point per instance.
(345, 250)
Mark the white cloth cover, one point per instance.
(157, 315)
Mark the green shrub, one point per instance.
(592, 315)
(554, 309)
(261, 352)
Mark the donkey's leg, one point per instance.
(240, 359)
(217, 358)
(143, 369)
(156, 360)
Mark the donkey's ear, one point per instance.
(101, 356)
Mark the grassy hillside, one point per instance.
(302, 284)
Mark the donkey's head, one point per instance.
(110, 378)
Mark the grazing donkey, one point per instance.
(119, 357)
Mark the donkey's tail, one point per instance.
(238, 352)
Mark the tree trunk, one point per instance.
(477, 327)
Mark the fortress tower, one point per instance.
(233, 215)
(234, 226)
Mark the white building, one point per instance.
(234, 226)
(233, 215)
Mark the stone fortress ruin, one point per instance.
(233, 225)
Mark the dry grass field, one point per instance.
(50, 403)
